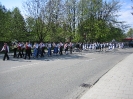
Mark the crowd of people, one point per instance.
(102, 46)
(28, 50)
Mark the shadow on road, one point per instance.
(45, 58)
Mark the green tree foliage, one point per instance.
(3, 19)
(12, 25)
(98, 20)
(7, 27)
(30, 27)
(130, 33)
(18, 29)
(62, 20)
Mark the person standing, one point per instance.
(5, 48)
(22, 49)
(14, 50)
(35, 49)
(19, 50)
(27, 50)
(42, 49)
(66, 48)
(71, 46)
(49, 49)
(55, 48)
(61, 48)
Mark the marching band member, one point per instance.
(55, 48)
(35, 50)
(22, 48)
(49, 49)
(42, 46)
(70, 45)
(5, 48)
(27, 50)
(19, 50)
(14, 45)
(61, 48)
(66, 48)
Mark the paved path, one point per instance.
(116, 84)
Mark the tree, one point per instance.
(30, 27)
(12, 25)
(96, 17)
(35, 9)
(17, 26)
(53, 16)
(3, 19)
(130, 33)
(90, 20)
(71, 17)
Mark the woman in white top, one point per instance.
(49, 49)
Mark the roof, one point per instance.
(128, 38)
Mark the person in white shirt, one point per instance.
(49, 49)
(5, 48)
(55, 48)
(66, 48)
(42, 46)
(22, 49)
(58, 45)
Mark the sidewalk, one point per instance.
(116, 84)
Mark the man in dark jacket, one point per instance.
(5, 49)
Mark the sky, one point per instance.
(125, 11)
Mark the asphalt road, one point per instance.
(56, 77)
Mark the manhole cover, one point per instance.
(85, 85)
